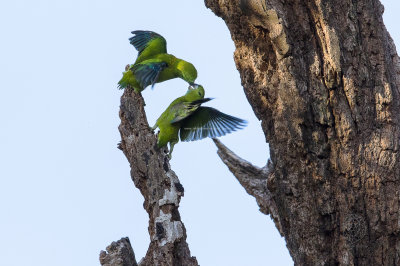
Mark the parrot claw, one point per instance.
(153, 128)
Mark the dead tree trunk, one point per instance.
(160, 187)
(322, 76)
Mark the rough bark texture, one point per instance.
(118, 253)
(322, 76)
(159, 185)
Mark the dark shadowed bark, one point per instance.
(322, 76)
(160, 187)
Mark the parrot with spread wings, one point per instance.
(154, 64)
(185, 116)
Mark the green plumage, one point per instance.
(153, 64)
(186, 117)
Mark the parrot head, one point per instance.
(195, 92)
(187, 71)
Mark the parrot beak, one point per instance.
(192, 86)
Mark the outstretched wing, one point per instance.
(184, 109)
(209, 122)
(148, 71)
(148, 43)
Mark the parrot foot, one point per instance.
(153, 128)
(171, 148)
(136, 90)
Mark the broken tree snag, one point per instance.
(256, 181)
(118, 253)
(159, 185)
(323, 78)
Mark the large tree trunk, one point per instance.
(322, 76)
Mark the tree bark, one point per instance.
(323, 77)
(160, 187)
(118, 253)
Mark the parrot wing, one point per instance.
(148, 40)
(147, 72)
(209, 122)
(185, 109)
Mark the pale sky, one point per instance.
(66, 191)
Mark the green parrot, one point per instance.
(153, 64)
(185, 116)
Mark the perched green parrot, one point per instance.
(185, 116)
(153, 64)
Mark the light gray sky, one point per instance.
(65, 190)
